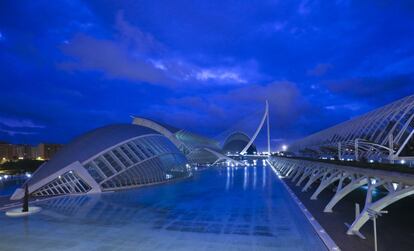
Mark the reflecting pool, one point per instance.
(228, 208)
(8, 184)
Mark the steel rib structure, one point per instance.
(386, 132)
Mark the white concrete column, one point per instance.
(340, 194)
(378, 206)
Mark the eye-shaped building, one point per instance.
(122, 156)
(109, 158)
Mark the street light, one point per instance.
(284, 148)
(373, 215)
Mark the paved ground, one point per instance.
(395, 229)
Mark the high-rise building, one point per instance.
(34, 152)
(6, 151)
(23, 151)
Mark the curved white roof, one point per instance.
(88, 145)
(236, 141)
(241, 136)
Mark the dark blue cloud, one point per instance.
(69, 66)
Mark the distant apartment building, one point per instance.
(35, 152)
(6, 151)
(11, 152)
(46, 151)
(23, 151)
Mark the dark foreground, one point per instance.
(395, 230)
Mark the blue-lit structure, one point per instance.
(236, 142)
(197, 148)
(124, 156)
(109, 158)
(384, 134)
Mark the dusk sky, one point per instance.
(70, 66)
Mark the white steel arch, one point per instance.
(390, 127)
(265, 117)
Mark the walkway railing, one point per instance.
(306, 173)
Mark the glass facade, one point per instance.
(146, 160)
(68, 183)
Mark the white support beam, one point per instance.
(342, 192)
(265, 115)
(289, 173)
(398, 185)
(223, 157)
(161, 129)
(299, 171)
(268, 129)
(378, 206)
(405, 143)
(306, 173)
(375, 127)
(328, 180)
(316, 175)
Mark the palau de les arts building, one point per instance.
(123, 156)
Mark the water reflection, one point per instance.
(251, 176)
(101, 209)
(196, 214)
(8, 184)
(245, 178)
(254, 177)
(228, 177)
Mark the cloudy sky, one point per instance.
(69, 66)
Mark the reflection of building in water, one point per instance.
(245, 178)
(150, 210)
(254, 177)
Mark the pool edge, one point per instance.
(35, 200)
(323, 235)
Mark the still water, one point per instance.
(227, 208)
